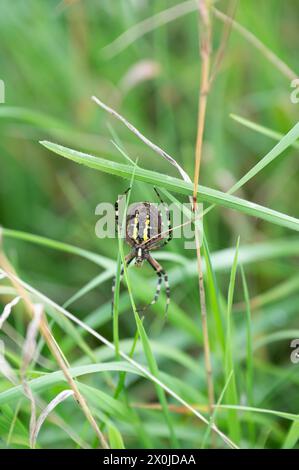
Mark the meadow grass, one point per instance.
(144, 380)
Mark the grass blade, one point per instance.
(153, 367)
(286, 141)
(249, 353)
(213, 417)
(57, 245)
(213, 293)
(231, 393)
(115, 438)
(292, 436)
(177, 185)
(261, 129)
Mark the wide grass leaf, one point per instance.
(204, 193)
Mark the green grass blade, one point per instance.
(120, 262)
(115, 438)
(231, 393)
(95, 282)
(213, 294)
(261, 129)
(122, 375)
(280, 414)
(115, 312)
(214, 414)
(177, 185)
(153, 367)
(141, 332)
(249, 351)
(51, 379)
(286, 141)
(292, 436)
(280, 291)
(32, 117)
(222, 260)
(57, 245)
(73, 334)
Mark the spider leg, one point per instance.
(116, 215)
(169, 226)
(157, 293)
(161, 273)
(128, 260)
(158, 194)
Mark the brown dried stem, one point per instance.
(54, 348)
(205, 52)
(255, 42)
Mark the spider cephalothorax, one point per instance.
(144, 233)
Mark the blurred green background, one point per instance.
(53, 59)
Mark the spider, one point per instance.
(144, 229)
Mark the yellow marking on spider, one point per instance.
(145, 231)
(135, 228)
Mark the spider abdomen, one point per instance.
(143, 222)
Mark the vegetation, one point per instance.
(73, 376)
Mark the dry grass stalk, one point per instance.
(219, 56)
(46, 333)
(144, 139)
(205, 52)
(29, 349)
(7, 310)
(174, 408)
(5, 368)
(255, 42)
(45, 413)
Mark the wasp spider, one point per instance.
(144, 233)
